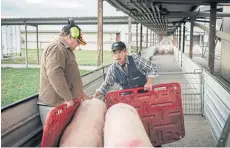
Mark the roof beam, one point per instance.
(63, 21)
(195, 14)
(219, 34)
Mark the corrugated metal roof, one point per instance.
(162, 16)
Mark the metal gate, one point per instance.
(191, 89)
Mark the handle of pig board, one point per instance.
(155, 88)
(59, 109)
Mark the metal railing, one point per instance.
(191, 89)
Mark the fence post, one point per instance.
(202, 93)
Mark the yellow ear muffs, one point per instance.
(75, 32)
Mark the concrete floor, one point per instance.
(197, 130)
(197, 134)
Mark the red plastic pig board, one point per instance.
(160, 110)
(56, 121)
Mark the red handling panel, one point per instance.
(160, 110)
(56, 121)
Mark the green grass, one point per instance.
(18, 84)
(84, 57)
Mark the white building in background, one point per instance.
(13, 37)
(46, 36)
(10, 41)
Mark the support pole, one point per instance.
(191, 38)
(38, 59)
(212, 35)
(100, 33)
(137, 38)
(200, 36)
(179, 44)
(147, 37)
(150, 38)
(177, 41)
(153, 39)
(141, 40)
(2, 51)
(129, 35)
(203, 41)
(180, 38)
(26, 49)
(183, 37)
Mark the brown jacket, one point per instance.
(60, 79)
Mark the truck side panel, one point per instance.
(21, 123)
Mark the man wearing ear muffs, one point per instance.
(60, 80)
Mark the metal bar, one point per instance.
(179, 51)
(220, 34)
(175, 73)
(205, 48)
(223, 4)
(202, 93)
(100, 33)
(7, 47)
(154, 13)
(153, 38)
(136, 38)
(29, 137)
(101, 68)
(91, 82)
(191, 39)
(150, 42)
(140, 9)
(203, 21)
(26, 49)
(224, 134)
(212, 35)
(62, 20)
(183, 42)
(151, 18)
(196, 14)
(177, 37)
(129, 35)
(2, 46)
(38, 57)
(22, 123)
(159, 16)
(147, 36)
(180, 38)
(191, 94)
(200, 38)
(203, 44)
(217, 37)
(141, 40)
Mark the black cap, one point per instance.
(118, 46)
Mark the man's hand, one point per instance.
(84, 97)
(97, 94)
(148, 85)
(69, 103)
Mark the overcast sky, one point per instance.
(54, 8)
